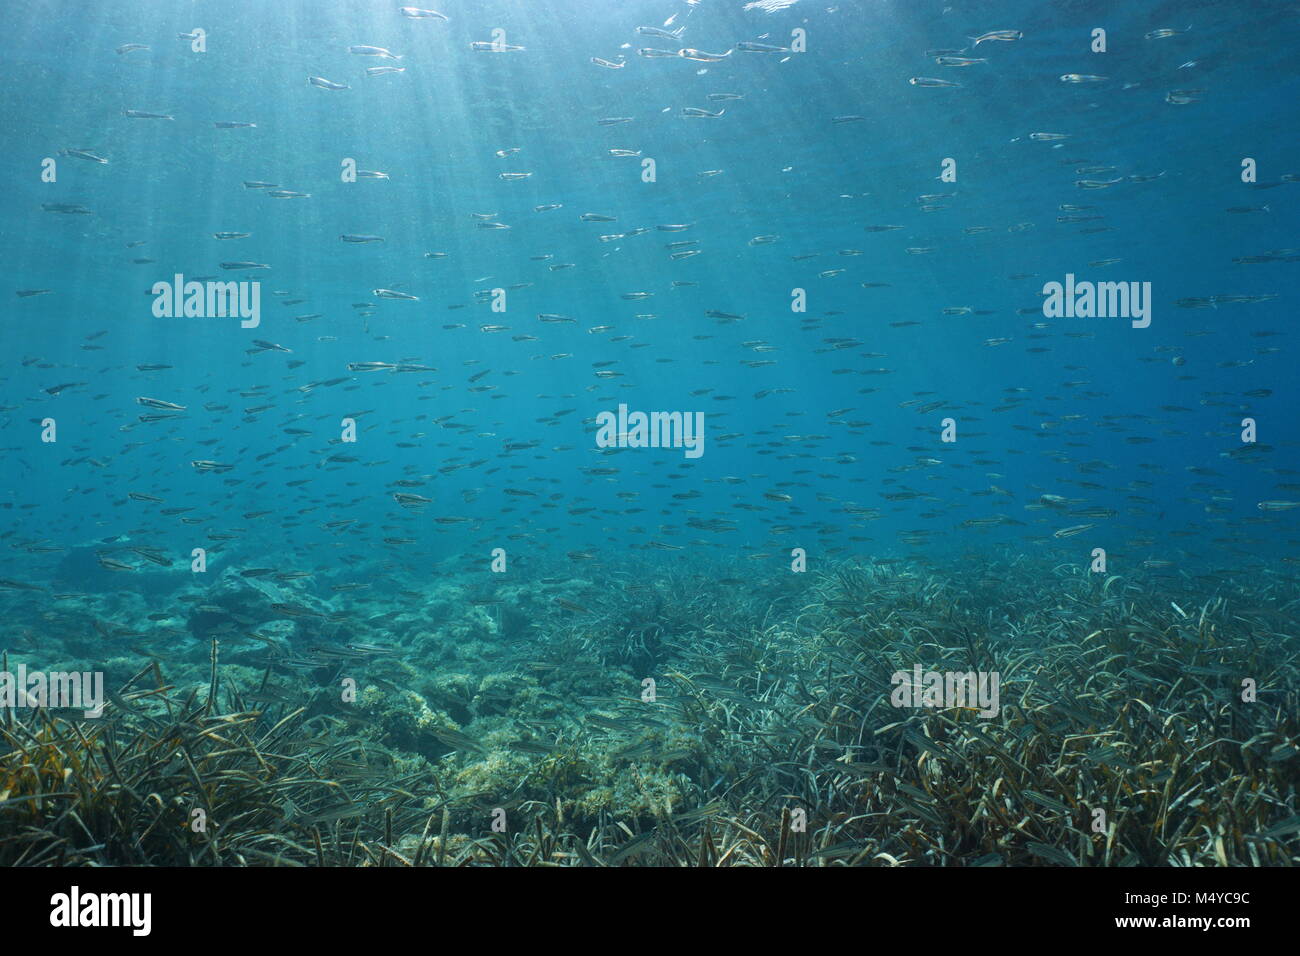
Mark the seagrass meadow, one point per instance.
(650, 433)
(772, 703)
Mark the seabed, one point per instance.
(663, 714)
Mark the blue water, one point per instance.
(1095, 394)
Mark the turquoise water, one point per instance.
(1093, 395)
(762, 221)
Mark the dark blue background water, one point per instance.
(788, 169)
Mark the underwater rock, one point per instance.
(236, 605)
(79, 568)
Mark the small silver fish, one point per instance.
(415, 13)
(702, 57)
(84, 154)
(660, 33)
(1004, 35)
(1163, 33)
(324, 84)
(373, 51)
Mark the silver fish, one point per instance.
(324, 84)
(415, 13)
(379, 51)
(84, 154)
